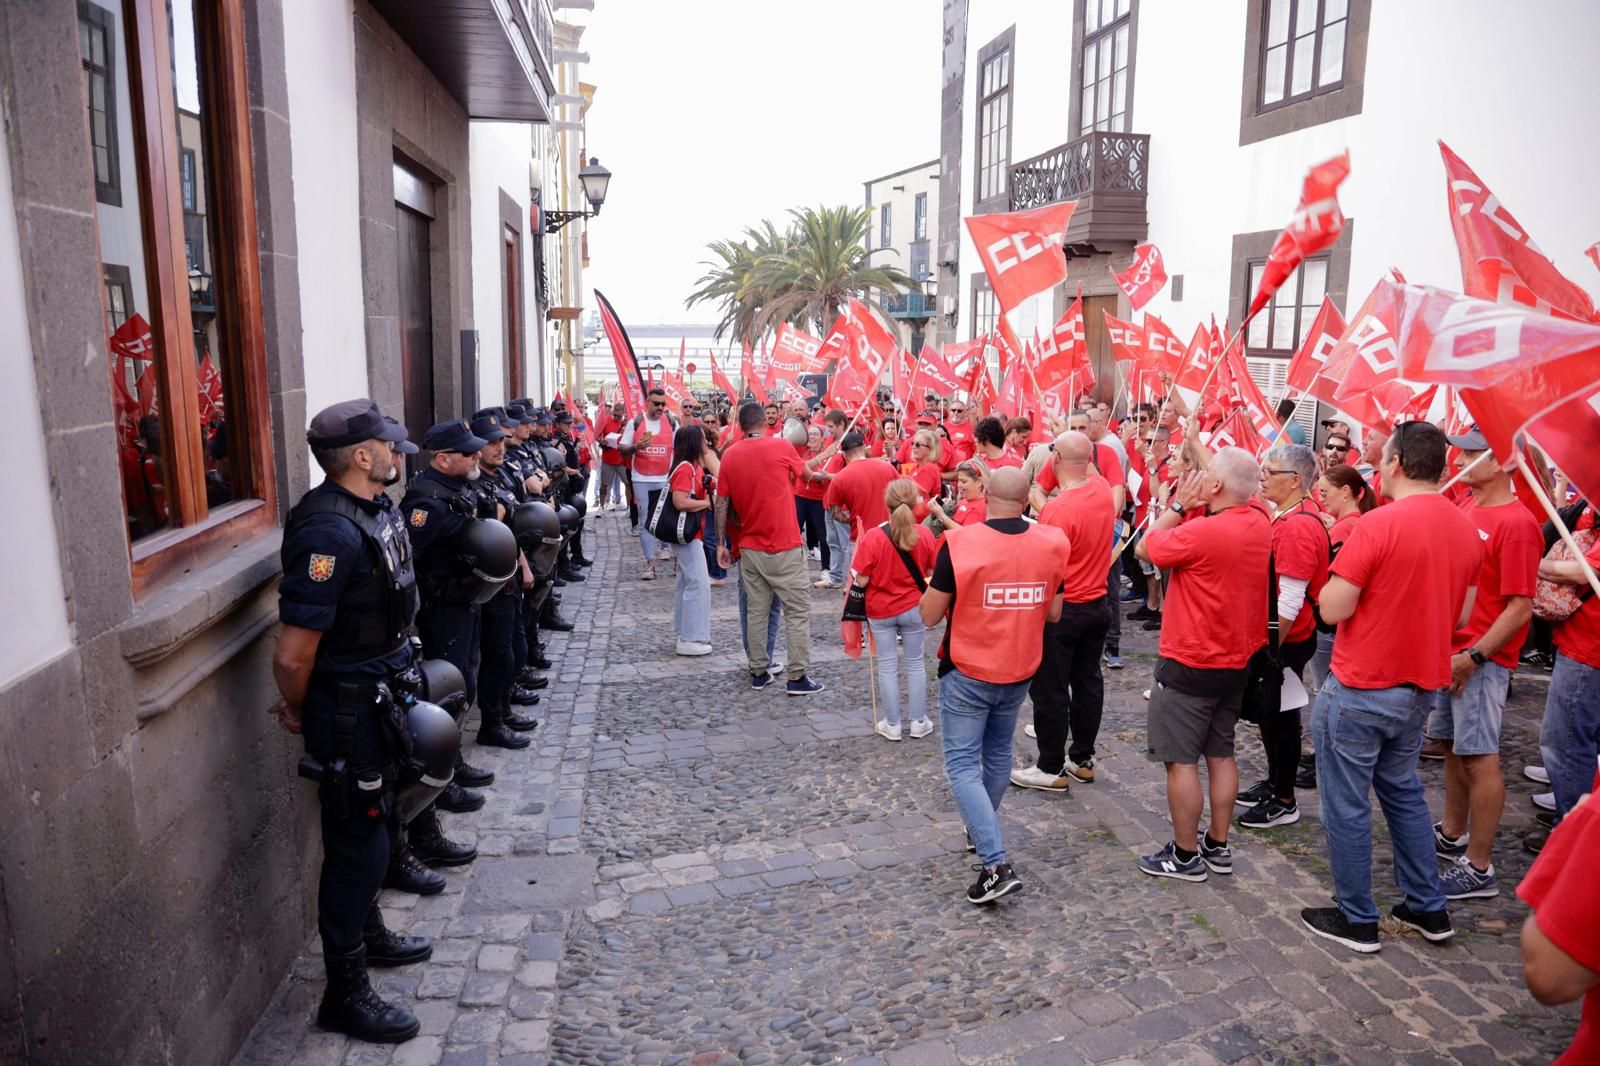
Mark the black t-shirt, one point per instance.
(1197, 682)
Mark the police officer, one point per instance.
(347, 601)
(577, 486)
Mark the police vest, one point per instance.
(440, 572)
(1004, 585)
(655, 458)
(376, 613)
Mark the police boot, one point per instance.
(471, 776)
(583, 561)
(433, 847)
(350, 1006)
(537, 660)
(529, 678)
(523, 695)
(459, 800)
(494, 733)
(572, 573)
(518, 723)
(406, 874)
(388, 948)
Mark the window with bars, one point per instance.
(994, 118)
(97, 46)
(919, 220)
(985, 311)
(1107, 36)
(1302, 49)
(1277, 331)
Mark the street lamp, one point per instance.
(199, 286)
(595, 180)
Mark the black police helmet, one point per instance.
(487, 552)
(554, 458)
(569, 519)
(535, 522)
(443, 684)
(580, 505)
(435, 740)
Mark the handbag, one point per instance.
(667, 523)
(1263, 685)
(1554, 601)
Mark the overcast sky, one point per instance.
(716, 114)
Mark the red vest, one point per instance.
(1004, 585)
(655, 458)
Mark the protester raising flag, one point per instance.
(1313, 228)
(1145, 276)
(628, 376)
(1022, 251)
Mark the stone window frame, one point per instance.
(1258, 123)
(1005, 42)
(1075, 93)
(1251, 248)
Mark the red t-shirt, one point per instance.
(971, 512)
(890, 589)
(609, 454)
(730, 433)
(927, 478)
(804, 487)
(1513, 545)
(1147, 486)
(1560, 889)
(1214, 616)
(1004, 459)
(1413, 562)
(961, 441)
(1300, 550)
(1086, 514)
(1578, 638)
(685, 477)
(1341, 530)
(858, 489)
(755, 479)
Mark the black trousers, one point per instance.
(809, 514)
(1114, 608)
(1068, 691)
(1280, 733)
(450, 631)
(497, 670)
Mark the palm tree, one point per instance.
(803, 276)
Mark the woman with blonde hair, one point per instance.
(889, 573)
(924, 469)
(972, 508)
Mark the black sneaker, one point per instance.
(993, 882)
(1534, 842)
(1269, 813)
(803, 686)
(1435, 925)
(1154, 624)
(1308, 760)
(1140, 613)
(1259, 792)
(1331, 924)
(761, 680)
(1545, 818)
(1306, 777)
(1219, 859)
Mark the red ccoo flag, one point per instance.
(1127, 339)
(936, 373)
(720, 380)
(1198, 359)
(1309, 361)
(1145, 276)
(1313, 227)
(1364, 365)
(1063, 350)
(1022, 251)
(1163, 351)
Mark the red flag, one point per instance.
(936, 373)
(758, 390)
(1247, 395)
(1365, 363)
(1163, 351)
(1593, 252)
(1198, 359)
(747, 366)
(676, 392)
(1417, 409)
(1127, 339)
(958, 355)
(1022, 251)
(208, 385)
(1309, 361)
(793, 354)
(1238, 431)
(720, 380)
(628, 376)
(1313, 227)
(683, 353)
(1064, 349)
(1499, 261)
(1145, 276)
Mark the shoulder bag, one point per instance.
(667, 523)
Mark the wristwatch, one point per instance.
(1477, 656)
(1176, 508)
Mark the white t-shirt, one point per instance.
(656, 427)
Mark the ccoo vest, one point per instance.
(1004, 585)
(654, 459)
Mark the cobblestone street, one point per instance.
(682, 870)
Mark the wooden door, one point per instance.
(511, 309)
(416, 320)
(1098, 340)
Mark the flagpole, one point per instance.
(1459, 474)
(1555, 517)
(1201, 400)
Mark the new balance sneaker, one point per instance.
(993, 882)
(1033, 777)
(1081, 771)
(761, 680)
(1219, 859)
(1465, 881)
(1114, 661)
(1449, 847)
(887, 731)
(1029, 731)
(1545, 801)
(1269, 813)
(803, 686)
(1434, 925)
(1259, 792)
(921, 728)
(1536, 773)
(1165, 863)
(1331, 924)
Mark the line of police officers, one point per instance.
(396, 621)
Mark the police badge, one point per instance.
(321, 568)
(419, 517)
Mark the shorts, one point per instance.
(1181, 727)
(1471, 721)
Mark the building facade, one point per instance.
(216, 217)
(904, 206)
(1191, 126)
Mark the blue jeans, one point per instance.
(1367, 741)
(1570, 736)
(979, 722)
(1322, 661)
(744, 613)
(691, 597)
(839, 548)
(713, 568)
(649, 545)
(912, 633)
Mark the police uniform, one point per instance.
(576, 488)
(348, 575)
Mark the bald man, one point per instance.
(1068, 690)
(998, 582)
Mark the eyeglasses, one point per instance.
(919, 444)
(1267, 472)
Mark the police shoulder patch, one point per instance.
(321, 568)
(419, 517)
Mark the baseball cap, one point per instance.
(454, 436)
(352, 422)
(1472, 440)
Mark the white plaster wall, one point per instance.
(320, 67)
(500, 153)
(33, 610)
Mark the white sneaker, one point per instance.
(1537, 774)
(692, 647)
(777, 667)
(827, 583)
(1545, 801)
(1028, 730)
(648, 573)
(921, 728)
(1033, 777)
(887, 731)
(1146, 693)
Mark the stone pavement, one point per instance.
(682, 870)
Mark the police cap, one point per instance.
(404, 447)
(352, 422)
(453, 436)
(489, 426)
(563, 417)
(517, 415)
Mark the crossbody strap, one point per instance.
(905, 557)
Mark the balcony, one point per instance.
(1107, 173)
(496, 57)
(910, 305)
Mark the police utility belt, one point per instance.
(366, 792)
